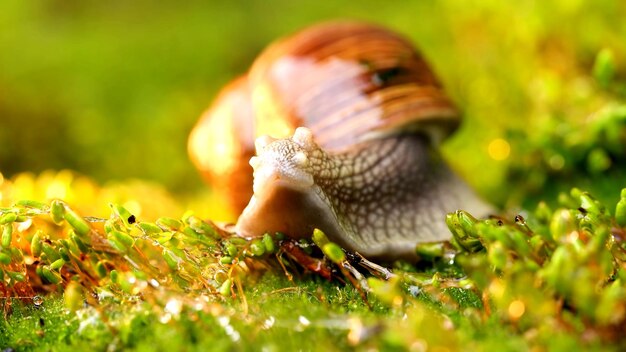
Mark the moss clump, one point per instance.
(552, 280)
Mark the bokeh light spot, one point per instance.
(556, 162)
(499, 149)
(497, 288)
(516, 309)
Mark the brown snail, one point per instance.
(365, 115)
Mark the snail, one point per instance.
(356, 117)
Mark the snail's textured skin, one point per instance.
(379, 199)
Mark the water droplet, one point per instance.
(269, 322)
(165, 318)
(414, 290)
(24, 225)
(37, 301)
(230, 331)
(303, 323)
(174, 307)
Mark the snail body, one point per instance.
(358, 116)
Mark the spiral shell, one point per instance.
(347, 82)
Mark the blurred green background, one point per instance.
(112, 89)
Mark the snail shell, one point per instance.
(364, 168)
(222, 143)
(347, 82)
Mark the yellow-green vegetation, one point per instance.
(112, 89)
(555, 280)
(120, 85)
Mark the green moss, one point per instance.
(513, 287)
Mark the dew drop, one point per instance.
(37, 301)
(269, 322)
(165, 318)
(414, 290)
(174, 306)
(24, 225)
